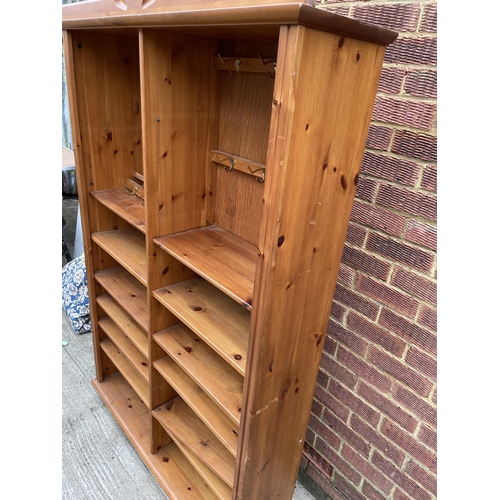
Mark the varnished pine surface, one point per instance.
(219, 380)
(221, 258)
(217, 319)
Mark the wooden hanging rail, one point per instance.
(232, 162)
(245, 64)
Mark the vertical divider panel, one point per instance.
(175, 91)
(317, 142)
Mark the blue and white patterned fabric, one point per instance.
(75, 295)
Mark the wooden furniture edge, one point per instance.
(93, 14)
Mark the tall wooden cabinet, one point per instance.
(217, 147)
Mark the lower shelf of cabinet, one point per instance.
(175, 474)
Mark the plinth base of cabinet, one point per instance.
(169, 466)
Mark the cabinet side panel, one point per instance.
(315, 153)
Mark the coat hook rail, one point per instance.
(232, 162)
(245, 64)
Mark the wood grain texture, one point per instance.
(219, 380)
(224, 260)
(217, 319)
(220, 13)
(199, 402)
(179, 421)
(316, 148)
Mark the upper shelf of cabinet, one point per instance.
(258, 18)
(223, 259)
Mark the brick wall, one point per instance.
(372, 431)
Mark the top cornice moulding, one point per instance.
(216, 13)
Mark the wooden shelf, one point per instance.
(211, 314)
(127, 291)
(126, 347)
(223, 259)
(129, 327)
(200, 403)
(221, 490)
(219, 380)
(128, 206)
(182, 424)
(128, 248)
(169, 466)
(127, 369)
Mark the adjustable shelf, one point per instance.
(127, 291)
(128, 248)
(219, 380)
(223, 259)
(180, 422)
(213, 316)
(202, 404)
(217, 147)
(128, 206)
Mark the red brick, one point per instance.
(379, 137)
(421, 83)
(387, 296)
(391, 80)
(330, 346)
(342, 11)
(405, 50)
(414, 448)
(303, 462)
(345, 432)
(362, 261)
(366, 188)
(429, 179)
(401, 479)
(400, 371)
(338, 372)
(371, 493)
(414, 284)
(332, 403)
(422, 362)
(374, 437)
(355, 234)
(356, 302)
(317, 408)
(354, 403)
(346, 337)
(390, 168)
(346, 274)
(315, 458)
(435, 396)
(413, 145)
(323, 379)
(364, 370)
(409, 331)
(400, 252)
(414, 203)
(399, 17)
(338, 462)
(428, 317)
(375, 334)
(378, 218)
(416, 405)
(387, 407)
(428, 437)
(322, 430)
(429, 19)
(314, 473)
(310, 437)
(422, 234)
(346, 487)
(366, 469)
(408, 113)
(337, 311)
(399, 495)
(427, 480)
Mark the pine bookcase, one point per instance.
(217, 147)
